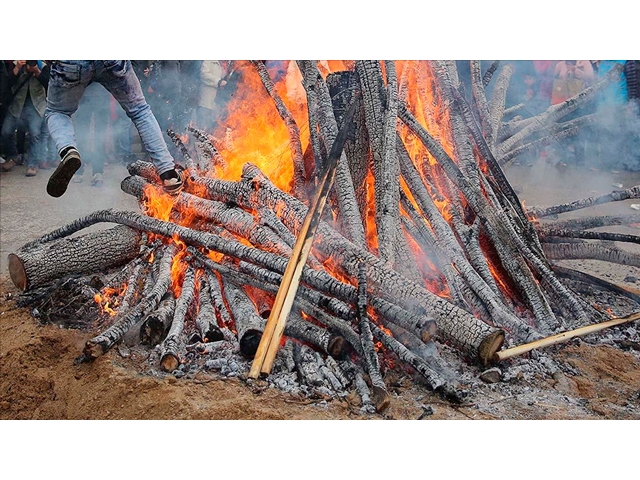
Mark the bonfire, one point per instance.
(423, 244)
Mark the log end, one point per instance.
(94, 349)
(336, 347)
(152, 332)
(428, 331)
(17, 272)
(381, 398)
(249, 343)
(213, 334)
(169, 362)
(490, 346)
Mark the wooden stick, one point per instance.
(563, 337)
(268, 347)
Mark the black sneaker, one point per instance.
(172, 182)
(60, 179)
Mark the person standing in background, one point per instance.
(211, 74)
(28, 80)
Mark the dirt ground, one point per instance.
(38, 378)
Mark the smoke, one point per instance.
(608, 141)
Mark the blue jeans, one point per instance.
(32, 120)
(69, 78)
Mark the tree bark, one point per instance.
(44, 262)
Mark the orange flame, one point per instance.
(108, 299)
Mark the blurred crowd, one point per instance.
(179, 93)
(196, 91)
(610, 138)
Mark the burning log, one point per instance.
(234, 219)
(206, 321)
(249, 324)
(587, 223)
(102, 343)
(381, 398)
(456, 325)
(39, 263)
(155, 327)
(328, 127)
(216, 158)
(170, 356)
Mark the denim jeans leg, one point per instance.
(34, 124)
(66, 85)
(124, 85)
(8, 136)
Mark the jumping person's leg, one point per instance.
(66, 86)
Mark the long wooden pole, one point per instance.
(270, 341)
(563, 337)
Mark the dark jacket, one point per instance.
(24, 84)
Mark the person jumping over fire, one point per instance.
(67, 83)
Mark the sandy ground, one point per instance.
(39, 380)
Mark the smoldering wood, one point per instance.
(454, 252)
(556, 133)
(222, 311)
(486, 79)
(156, 325)
(173, 344)
(132, 337)
(380, 108)
(590, 251)
(381, 398)
(249, 324)
(426, 351)
(589, 235)
(584, 277)
(301, 330)
(203, 137)
(479, 98)
(328, 374)
(249, 274)
(103, 342)
(206, 319)
(309, 84)
(337, 371)
(44, 261)
(516, 255)
(496, 104)
(423, 326)
(343, 185)
(615, 196)
(306, 331)
(433, 379)
(307, 366)
(590, 222)
(465, 331)
(341, 89)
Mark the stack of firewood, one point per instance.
(423, 239)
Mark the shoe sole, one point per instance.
(59, 180)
